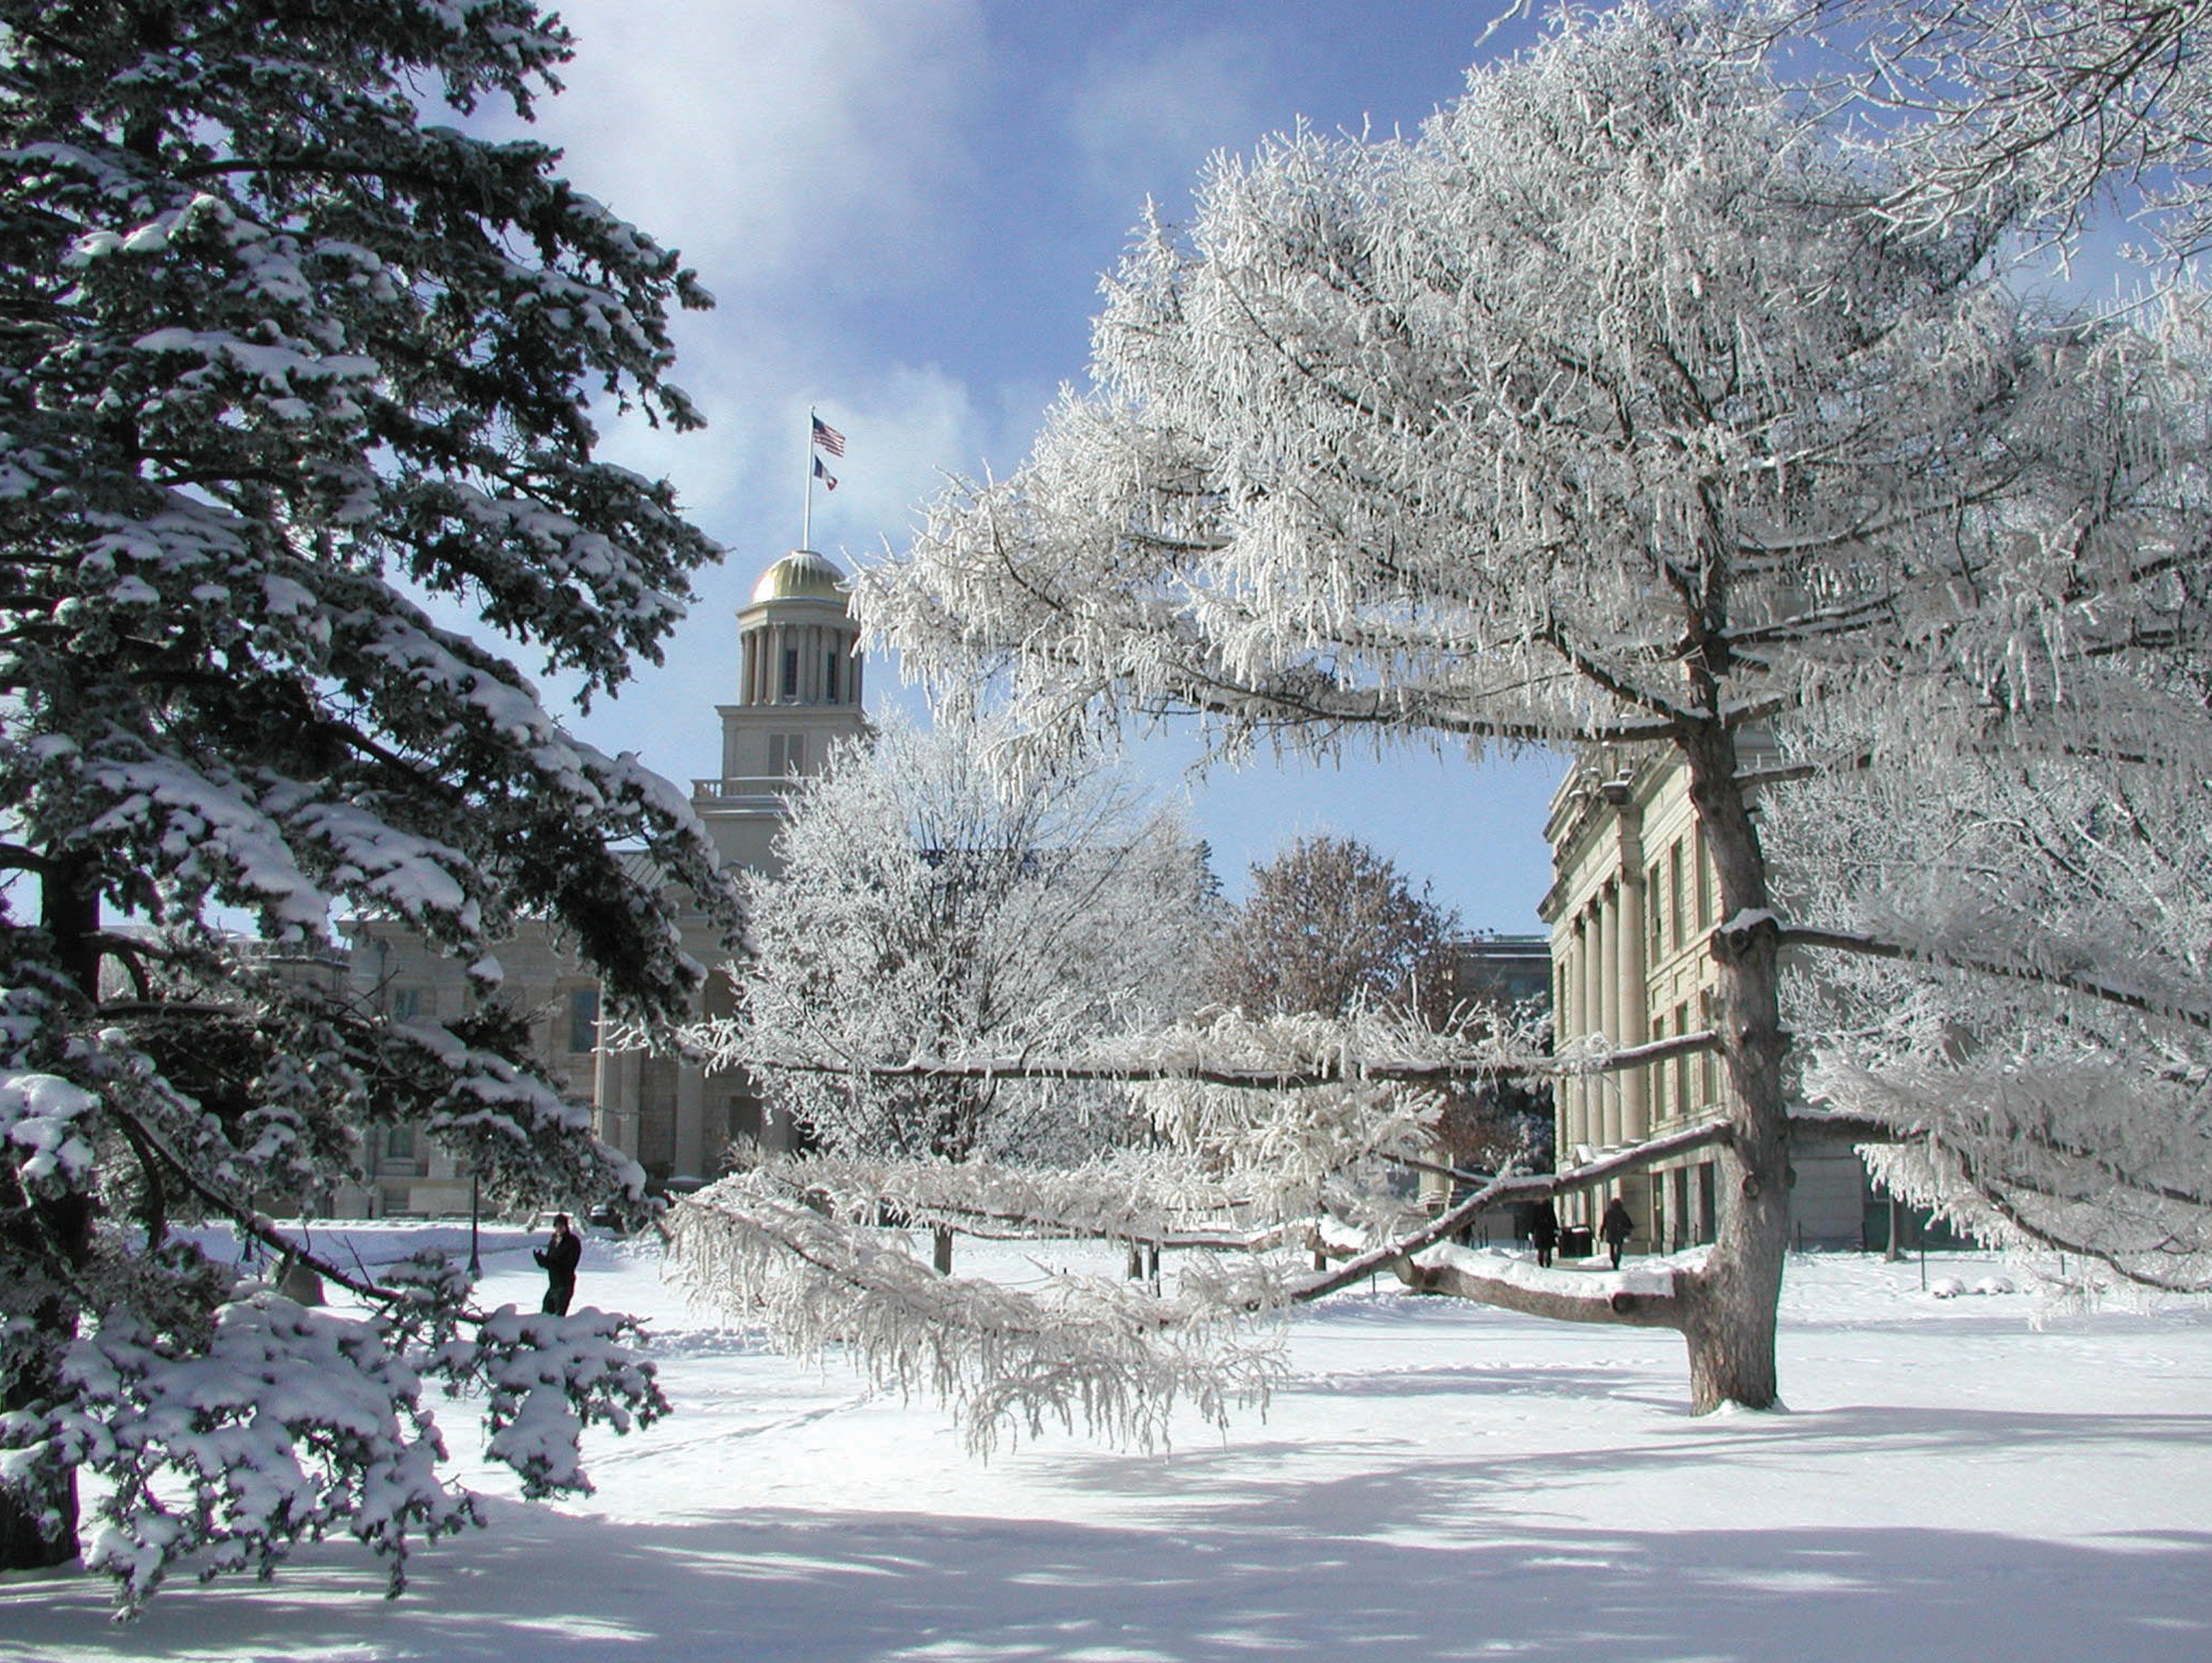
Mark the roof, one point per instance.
(802, 574)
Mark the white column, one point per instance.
(1609, 984)
(1594, 1013)
(1635, 1017)
(1578, 1025)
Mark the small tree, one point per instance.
(1331, 925)
(278, 354)
(922, 907)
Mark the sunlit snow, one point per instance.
(1985, 1476)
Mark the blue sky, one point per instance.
(903, 208)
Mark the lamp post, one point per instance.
(476, 1259)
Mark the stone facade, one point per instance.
(1632, 902)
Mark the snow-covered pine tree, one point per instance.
(1611, 409)
(280, 351)
(922, 906)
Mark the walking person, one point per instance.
(559, 1257)
(1616, 1228)
(1544, 1229)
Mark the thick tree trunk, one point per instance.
(38, 1529)
(1729, 1311)
(940, 1249)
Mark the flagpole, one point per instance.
(806, 520)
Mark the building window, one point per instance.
(1659, 1073)
(1674, 892)
(399, 1143)
(406, 1003)
(746, 1125)
(787, 752)
(830, 678)
(1652, 903)
(583, 1019)
(1682, 1062)
(1701, 863)
(1711, 1061)
(791, 673)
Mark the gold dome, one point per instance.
(801, 574)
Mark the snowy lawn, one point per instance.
(1438, 1481)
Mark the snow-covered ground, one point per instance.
(1438, 1481)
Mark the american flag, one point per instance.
(828, 437)
(827, 479)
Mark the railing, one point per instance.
(764, 790)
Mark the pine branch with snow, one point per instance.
(284, 359)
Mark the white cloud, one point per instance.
(1144, 118)
(763, 138)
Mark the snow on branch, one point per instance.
(1157, 1197)
(278, 1425)
(1116, 1357)
(801, 1246)
(1278, 1053)
(2050, 975)
(1359, 1261)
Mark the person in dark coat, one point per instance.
(1544, 1229)
(1616, 1228)
(559, 1257)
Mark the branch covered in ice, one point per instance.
(1115, 1356)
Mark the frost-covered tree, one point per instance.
(279, 354)
(2024, 906)
(922, 906)
(1331, 925)
(2047, 113)
(1614, 408)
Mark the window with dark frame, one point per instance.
(583, 1019)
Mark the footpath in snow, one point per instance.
(1954, 1480)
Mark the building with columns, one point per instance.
(1632, 903)
(798, 690)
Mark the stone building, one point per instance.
(1632, 902)
(1486, 1125)
(799, 691)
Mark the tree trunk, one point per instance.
(940, 1249)
(24, 1541)
(37, 1528)
(1730, 1310)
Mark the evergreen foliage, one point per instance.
(282, 357)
